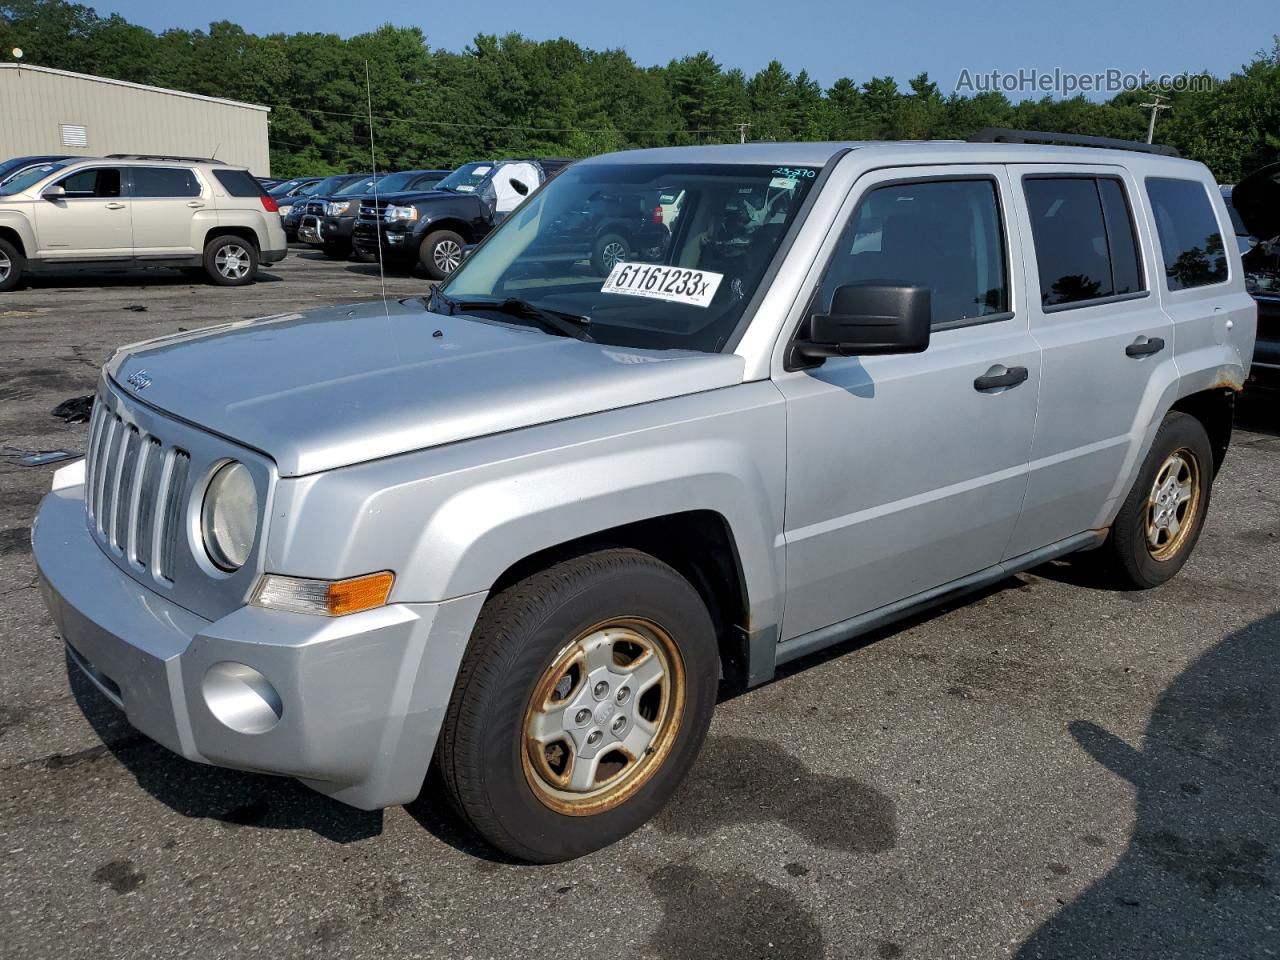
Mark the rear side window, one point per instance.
(1190, 239)
(92, 183)
(1084, 239)
(163, 182)
(238, 183)
(943, 234)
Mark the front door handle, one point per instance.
(1144, 347)
(1011, 377)
(115, 206)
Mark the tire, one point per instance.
(441, 253)
(337, 251)
(12, 266)
(230, 261)
(1156, 529)
(608, 249)
(504, 783)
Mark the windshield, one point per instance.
(25, 178)
(329, 184)
(650, 255)
(393, 182)
(280, 189)
(466, 178)
(363, 185)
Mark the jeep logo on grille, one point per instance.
(139, 381)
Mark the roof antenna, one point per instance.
(214, 155)
(373, 157)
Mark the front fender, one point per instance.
(20, 223)
(451, 520)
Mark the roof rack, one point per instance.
(162, 156)
(1009, 135)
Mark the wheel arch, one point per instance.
(1215, 409)
(699, 545)
(243, 232)
(13, 236)
(458, 226)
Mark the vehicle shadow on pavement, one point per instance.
(235, 799)
(141, 279)
(1199, 878)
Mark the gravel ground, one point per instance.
(1053, 770)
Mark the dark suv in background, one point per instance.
(433, 227)
(292, 209)
(1254, 204)
(334, 224)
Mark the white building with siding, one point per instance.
(46, 111)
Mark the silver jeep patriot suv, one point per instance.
(521, 528)
(132, 211)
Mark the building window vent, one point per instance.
(75, 135)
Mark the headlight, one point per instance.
(285, 209)
(229, 516)
(400, 213)
(338, 208)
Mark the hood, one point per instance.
(1257, 200)
(344, 385)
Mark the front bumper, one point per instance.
(397, 240)
(363, 696)
(310, 230)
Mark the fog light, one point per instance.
(241, 698)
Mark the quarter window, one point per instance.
(163, 182)
(1084, 239)
(1190, 239)
(942, 234)
(92, 183)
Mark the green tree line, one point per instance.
(509, 95)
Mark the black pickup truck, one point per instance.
(433, 227)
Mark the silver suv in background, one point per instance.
(523, 526)
(135, 211)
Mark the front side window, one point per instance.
(1084, 239)
(93, 183)
(1190, 239)
(942, 234)
(163, 182)
(657, 255)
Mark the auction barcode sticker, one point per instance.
(678, 284)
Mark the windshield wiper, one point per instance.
(554, 321)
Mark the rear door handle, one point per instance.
(115, 206)
(1011, 377)
(1144, 347)
(195, 203)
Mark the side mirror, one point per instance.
(869, 318)
(54, 194)
(520, 187)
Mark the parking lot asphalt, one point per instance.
(1051, 770)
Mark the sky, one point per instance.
(830, 39)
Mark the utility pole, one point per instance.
(1155, 109)
(742, 131)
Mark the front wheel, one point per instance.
(441, 253)
(1161, 518)
(230, 261)
(11, 266)
(580, 706)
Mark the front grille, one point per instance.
(135, 485)
(369, 210)
(315, 208)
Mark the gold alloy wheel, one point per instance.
(1173, 504)
(603, 716)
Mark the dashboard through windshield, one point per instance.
(665, 256)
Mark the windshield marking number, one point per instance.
(677, 284)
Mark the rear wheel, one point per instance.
(12, 265)
(230, 261)
(441, 253)
(580, 706)
(609, 250)
(1161, 519)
